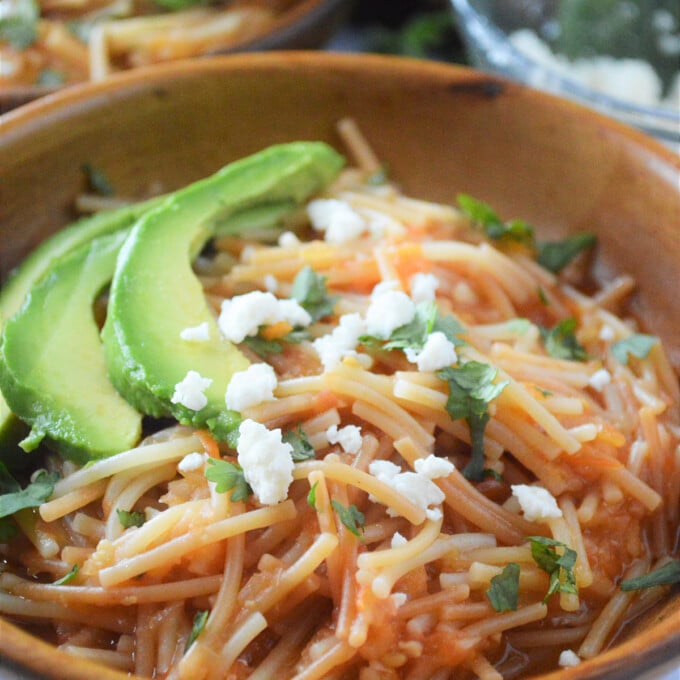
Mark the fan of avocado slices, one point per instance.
(84, 393)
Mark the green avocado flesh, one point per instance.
(155, 295)
(33, 268)
(52, 368)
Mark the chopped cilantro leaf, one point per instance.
(543, 297)
(351, 517)
(97, 181)
(556, 255)
(8, 529)
(666, 575)
(19, 24)
(228, 476)
(484, 216)
(197, 628)
(129, 518)
(13, 498)
(638, 344)
(302, 449)
(264, 347)
(311, 496)
(488, 473)
(560, 341)
(414, 334)
(471, 389)
(261, 346)
(558, 566)
(50, 77)
(309, 289)
(379, 177)
(224, 427)
(67, 578)
(503, 593)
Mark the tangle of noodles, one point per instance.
(355, 575)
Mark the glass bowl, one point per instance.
(486, 28)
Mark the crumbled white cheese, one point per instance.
(341, 342)
(250, 387)
(568, 658)
(271, 283)
(384, 287)
(423, 287)
(399, 599)
(537, 503)
(192, 462)
(434, 467)
(398, 540)
(242, 316)
(349, 437)
(417, 488)
(339, 221)
(388, 311)
(633, 80)
(599, 379)
(200, 333)
(266, 461)
(438, 352)
(607, 333)
(288, 240)
(189, 391)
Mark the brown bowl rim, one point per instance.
(654, 647)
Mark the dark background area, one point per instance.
(415, 28)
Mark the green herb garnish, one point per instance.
(132, 518)
(309, 289)
(19, 25)
(311, 496)
(556, 255)
(228, 476)
(50, 77)
(97, 181)
(560, 341)
(302, 449)
(553, 255)
(414, 334)
(264, 347)
(484, 216)
(351, 517)
(638, 344)
(503, 593)
(200, 620)
(224, 427)
(666, 575)
(8, 529)
(488, 473)
(558, 566)
(67, 578)
(13, 498)
(471, 390)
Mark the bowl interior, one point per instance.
(441, 130)
(300, 24)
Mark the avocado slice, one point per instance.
(52, 368)
(155, 294)
(33, 268)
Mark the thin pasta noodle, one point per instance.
(404, 506)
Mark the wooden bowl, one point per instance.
(304, 24)
(440, 129)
